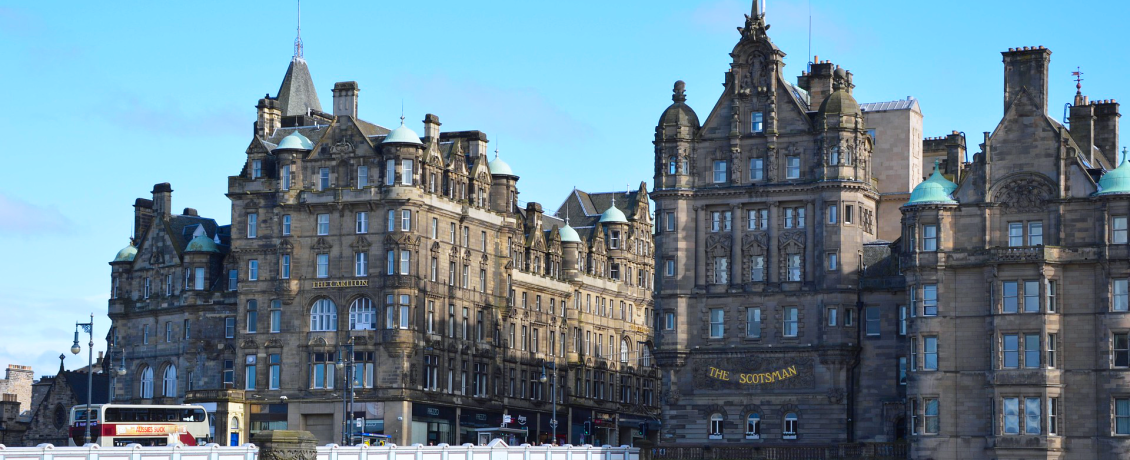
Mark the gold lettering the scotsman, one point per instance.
(755, 378)
(337, 284)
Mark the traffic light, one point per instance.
(588, 428)
(643, 429)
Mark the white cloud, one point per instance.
(18, 217)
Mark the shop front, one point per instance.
(581, 422)
(470, 420)
(433, 425)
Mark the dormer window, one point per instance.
(256, 169)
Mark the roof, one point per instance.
(297, 93)
(935, 189)
(499, 167)
(402, 135)
(296, 141)
(77, 381)
(126, 254)
(839, 102)
(613, 215)
(1117, 181)
(202, 244)
(902, 104)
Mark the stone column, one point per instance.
(286, 445)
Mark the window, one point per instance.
(913, 354)
(1016, 234)
(873, 321)
(832, 262)
(252, 316)
(1121, 347)
(360, 263)
(757, 219)
(405, 220)
(1011, 410)
(716, 426)
(792, 167)
(322, 371)
(405, 262)
(832, 215)
(284, 267)
(362, 222)
(169, 284)
(930, 415)
(284, 182)
(323, 178)
(753, 323)
(252, 270)
(1031, 415)
(323, 224)
(717, 323)
(849, 317)
(186, 329)
(249, 373)
(1031, 351)
(145, 293)
(362, 176)
(902, 370)
(252, 225)
(390, 172)
(929, 237)
(286, 224)
(362, 315)
(168, 331)
(832, 314)
(669, 321)
(1035, 233)
(406, 176)
(757, 124)
(614, 239)
(323, 265)
(721, 270)
(1010, 348)
(276, 371)
(789, 429)
(276, 316)
(756, 169)
(256, 169)
(794, 268)
(720, 221)
(929, 300)
(1053, 416)
(719, 171)
(757, 269)
(834, 156)
(789, 328)
(1122, 416)
(229, 328)
(1051, 347)
(1050, 288)
(669, 267)
(849, 214)
(902, 319)
(169, 382)
(669, 217)
(1011, 297)
(323, 316)
(198, 278)
(146, 382)
(1031, 296)
(451, 238)
(431, 372)
(930, 353)
(753, 426)
(1118, 230)
(1119, 298)
(145, 334)
(405, 310)
(229, 372)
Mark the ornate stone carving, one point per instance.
(342, 148)
(835, 395)
(1023, 195)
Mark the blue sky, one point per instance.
(103, 100)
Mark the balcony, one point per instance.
(1040, 442)
(1014, 255)
(1027, 377)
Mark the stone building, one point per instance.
(51, 413)
(17, 382)
(403, 267)
(766, 216)
(1017, 275)
(897, 148)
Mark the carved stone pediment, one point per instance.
(752, 241)
(361, 244)
(286, 246)
(1025, 194)
(342, 147)
(796, 237)
(248, 344)
(322, 244)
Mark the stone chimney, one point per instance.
(1106, 129)
(162, 199)
(268, 116)
(1027, 67)
(345, 99)
(818, 81)
(142, 216)
(431, 127)
(1081, 117)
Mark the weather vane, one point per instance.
(1078, 74)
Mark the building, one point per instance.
(50, 418)
(766, 218)
(1017, 276)
(897, 151)
(17, 383)
(402, 268)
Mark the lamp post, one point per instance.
(121, 371)
(553, 395)
(89, 329)
(347, 397)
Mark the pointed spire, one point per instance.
(758, 8)
(298, 38)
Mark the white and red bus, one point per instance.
(148, 425)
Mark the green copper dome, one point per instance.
(202, 244)
(296, 141)
(126, 254)
(402, 135)
(499, 167)
(1117, 180)
(614, 215)
(936, 189)
(569, 235)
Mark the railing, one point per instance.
(846, 451)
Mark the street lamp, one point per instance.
(119, 372)
(89, 329)
(347, 396)
(553, 395)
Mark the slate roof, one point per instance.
(77, 382)
(902, 104)
(584, 209)
(297, 92)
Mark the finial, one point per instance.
(1124, 154)
(402, 112)
(680, 92)
(613, 199)
(1078, 80)
(936, 162)
(298, 38)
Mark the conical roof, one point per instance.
(297, 93)
(569, 235)
(1117, 180)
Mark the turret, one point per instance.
(677, 128)
(402, 150)
(503, 186)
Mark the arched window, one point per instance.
(753, 426)
(671, 166)
(323, 316)
(169, 381)
(645, 356)
(625, 350)
(790, 429)
(234, 423)
(146, 390)
(716, 426)
(362, 316)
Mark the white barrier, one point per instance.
(496, 450)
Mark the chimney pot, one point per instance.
(345, 98)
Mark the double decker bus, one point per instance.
(148, 425)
